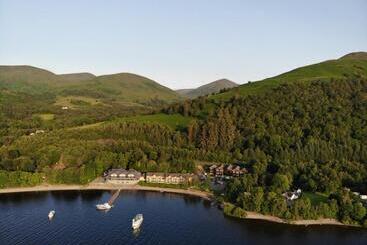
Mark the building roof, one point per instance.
(155, 173)
(121, 171)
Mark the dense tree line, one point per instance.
(316, 133)
(311, 136)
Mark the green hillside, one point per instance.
(76, 77)
(27, 79)
(125, 87)
(349, 66)
(122, 87)
(27, 93)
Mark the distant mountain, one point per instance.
(353, 65)
(213, 87)
(121, 87)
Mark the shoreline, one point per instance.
(205, 195)
(61, 187)
(270, 218)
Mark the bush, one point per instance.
(233, 211)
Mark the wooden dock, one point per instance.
(114, 197)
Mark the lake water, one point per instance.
(168, 219)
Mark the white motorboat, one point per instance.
(51, 214)
(137, 221)
(104, 206)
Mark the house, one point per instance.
(155, 178)
(40, 131)
(237, 171)
(169, 178)
(212, 169)
(363, 197)
(65, 108)
(175, 178)
(123, 176)
(229, 170)
(219, 171)
(292, 195)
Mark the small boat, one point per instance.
(104, 206)
(51, 214)
(137, 221)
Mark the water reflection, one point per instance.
(67, 196)
(136, 232)
(22, 197)
(91, 195)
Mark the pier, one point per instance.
(114, 197)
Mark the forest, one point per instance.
(311, 136)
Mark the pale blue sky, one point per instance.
(180, 44)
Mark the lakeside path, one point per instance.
(258, 216)
(92, 186)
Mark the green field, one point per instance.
(316, 198)
(46, 116)
(76, 101)
(175, 121)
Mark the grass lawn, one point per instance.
(174, 121)
(76, 101)
(161, 185)
(46, 116)
(316, 198)
(87, 126)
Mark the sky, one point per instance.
(180, 44)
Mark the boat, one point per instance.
(51, 214)
(137, 221)
(104, 206)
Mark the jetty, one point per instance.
(114, 197)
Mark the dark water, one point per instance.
(168, 219)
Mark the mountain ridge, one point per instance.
(348, 66)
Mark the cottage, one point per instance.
(237, 171)
(65, 108)
(229, 169)
(219, 171)
(212, 169)
(292, 195)
(123, 176)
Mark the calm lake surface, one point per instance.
(168, 219)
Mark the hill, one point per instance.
(356, 56)
(352, 65)
(32, 98)
(121, 87)
(26, 79)
(76, 77)
(210, 88)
